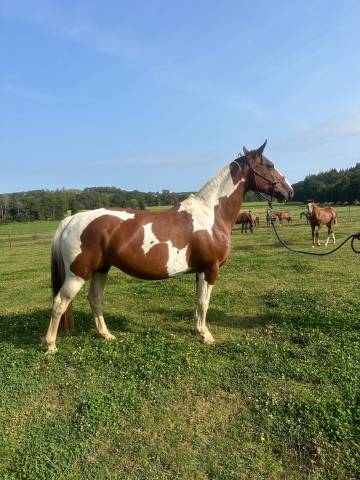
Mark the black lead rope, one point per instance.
(353, 237)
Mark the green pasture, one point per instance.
(277, 396)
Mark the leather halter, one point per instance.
(257, 174)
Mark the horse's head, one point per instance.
(264, 178)
(310, 206)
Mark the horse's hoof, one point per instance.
(51, 350)
(109, 337)
(207, 339)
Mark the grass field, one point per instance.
(277, 396)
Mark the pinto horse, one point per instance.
(321, 216)
(245, 220)
(192, 237)
(270, 217)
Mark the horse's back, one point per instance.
(331, 214)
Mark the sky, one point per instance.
(153, 95)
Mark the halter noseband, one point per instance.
(243, 159)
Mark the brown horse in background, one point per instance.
(283, 216)
(255, 219)
(319, 217)
(305, 214)
(245, 220)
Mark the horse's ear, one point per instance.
(245, 150)
(262, 148)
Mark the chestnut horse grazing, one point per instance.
(255, 219)
(193, 237)
(283, 216)
(245, 219)
(318, 217)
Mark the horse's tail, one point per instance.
(58, 275)
(335, 219)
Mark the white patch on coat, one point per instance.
(202, 205)
(149, 238)
(71, 228)
(177, 262)
(310, 208)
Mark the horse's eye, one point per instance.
(270, 166)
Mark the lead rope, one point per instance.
(353, 237)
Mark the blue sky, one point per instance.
(161, 94)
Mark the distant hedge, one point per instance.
(46, 205)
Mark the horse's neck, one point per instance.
(316, 211)
(223, 196)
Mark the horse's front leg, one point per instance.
(318, 235)
(313, 234)
(204, 286)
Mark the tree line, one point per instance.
(333, 186)
(54, 205)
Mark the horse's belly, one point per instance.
(163, 260)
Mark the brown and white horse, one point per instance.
(270, 217)
(193, 237)
(321, 216)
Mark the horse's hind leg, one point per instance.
(61, 302)
(328, 236)
(330, 232)
(95, 297)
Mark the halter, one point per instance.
(257, 174)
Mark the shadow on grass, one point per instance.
(26, 330)
(214, 317)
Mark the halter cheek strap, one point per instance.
(257, 174)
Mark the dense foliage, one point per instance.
(336, 186)
(53, 205)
